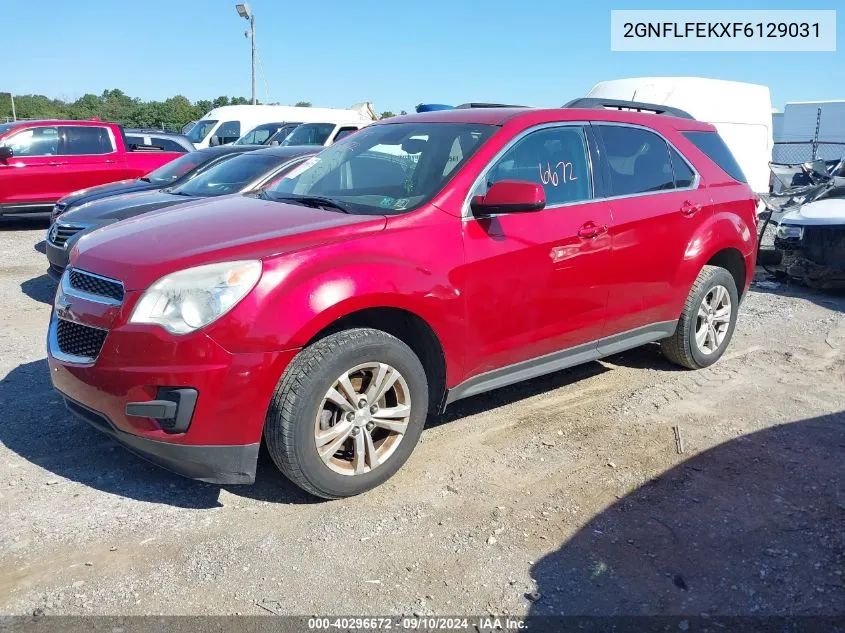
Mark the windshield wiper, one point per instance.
(313, 201)
(145, 179)
(176, 192)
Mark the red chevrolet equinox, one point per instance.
(424, 259)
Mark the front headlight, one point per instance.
(789, 231)
(192, 298)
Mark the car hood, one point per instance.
(120, 207)
(103, 191)
(141, 250)
(825, 212)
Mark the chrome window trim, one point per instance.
(53, 344)
(87, 296)
(466, 212)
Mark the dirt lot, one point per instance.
(563, 495)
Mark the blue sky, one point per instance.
(395, 54)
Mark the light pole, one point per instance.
(244, 11)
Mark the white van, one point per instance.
(741, 112)
(227, 124)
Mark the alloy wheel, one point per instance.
(362, 418)
(713, 320)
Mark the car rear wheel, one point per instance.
(707, 321)
(347, 413)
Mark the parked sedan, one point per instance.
(243, 173)
(172, 174)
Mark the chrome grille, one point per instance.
(95, 285)
(76, 339)
(61, 233)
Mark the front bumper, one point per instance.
(221, 464)
(221, 443)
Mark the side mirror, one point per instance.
(6, 152)
(214, 141)
(509, 196)
(274, 144)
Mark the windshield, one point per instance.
(200, 130)
(310, 134)
(388, 168)
(230, 176)
(258, 135)
(175, 169)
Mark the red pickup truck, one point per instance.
(42, 161)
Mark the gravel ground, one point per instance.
(562, 495)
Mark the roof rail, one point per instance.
(467, 106)
(619, 104)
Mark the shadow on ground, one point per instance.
(754, 526)
(41, 289)
(37, 427)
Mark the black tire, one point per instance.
(289, 425)
(681, 348)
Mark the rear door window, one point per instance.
(86, 140)
(638, 160)
(555, 158)
(38, 141)
(712, 144)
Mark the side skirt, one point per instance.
(561, 360)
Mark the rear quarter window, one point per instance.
(712, 144)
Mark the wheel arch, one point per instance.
(732, 260)
(408, 327)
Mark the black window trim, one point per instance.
(466, 212)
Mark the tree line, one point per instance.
(118, 107)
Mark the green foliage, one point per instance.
(302, 104)
(117, 107)
(386, 114)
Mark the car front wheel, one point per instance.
(347, 413)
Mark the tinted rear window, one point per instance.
(638, 159)
(712, 144)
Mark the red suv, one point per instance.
(424, 259)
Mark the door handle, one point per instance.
(590, 230)
(689, 209)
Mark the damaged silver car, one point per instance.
(809, 209)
